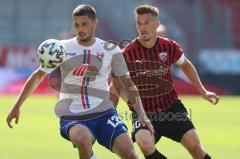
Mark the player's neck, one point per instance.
(88, 43)
(148, 44)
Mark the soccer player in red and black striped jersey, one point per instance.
(149, 59)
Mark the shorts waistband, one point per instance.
(86, 116)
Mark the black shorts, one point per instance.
(173, 123)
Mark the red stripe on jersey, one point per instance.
(74, 71)
(146, 67)
(154, 100)
(81, 70)
(77, 71)
(154, 64)
(82, 92)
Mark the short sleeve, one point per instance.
(180, 60)
(177, 53)
(119, 67)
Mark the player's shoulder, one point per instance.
(108, 47)
(100, 41)
(105, 43)
(69, 41)
(163, 40)
(132, 45)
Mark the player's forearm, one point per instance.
(115, 91)
(133, 96)
(31, 84)
(114, 95)
(191, 72)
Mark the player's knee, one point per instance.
(81, 141)
(80, 137)
(147, 146)
(130, 154)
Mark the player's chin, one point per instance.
(83, 39)
(146, 39)
(142, 36)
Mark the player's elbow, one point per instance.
(127, 83)
(114, 98)
(38, 75)
(186, 65)
(114, 95)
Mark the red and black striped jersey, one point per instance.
(150, 70)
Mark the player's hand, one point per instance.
(146, 122)
(14, 114)
(211, 97)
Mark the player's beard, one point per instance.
(86, 39)
(145, 39)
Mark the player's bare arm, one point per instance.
(115, 89)
(191, 72)
(31, 84)
(134, 98)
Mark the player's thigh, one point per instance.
(123, 146)
(190, 139)
(80, 134)
(109, 127)
(177, 123)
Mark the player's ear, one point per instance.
(158, 23)
(95, 22)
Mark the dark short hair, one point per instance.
(85, 10)
(146, 9)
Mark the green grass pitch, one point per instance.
(37, 134)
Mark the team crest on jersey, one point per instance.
(163, 56)
(100, 54)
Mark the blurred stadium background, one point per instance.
(208, 31)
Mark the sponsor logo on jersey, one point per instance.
(71, 53)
